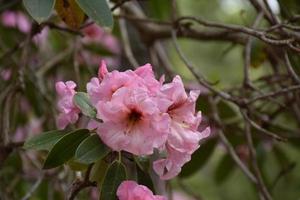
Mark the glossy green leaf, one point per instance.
(40, 10)
(98, 172)
(115, 175)
(76, 166)
(145, 179)
(65, 148)
(97, 10)
(44, 141)
(199, 158)
(82, 101)
(91, 149)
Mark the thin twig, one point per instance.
(79, 185)
(247, 63)
(261, 186)
(290, 68)
(261, 129)
(34, 187)
(282, 173)
(227, 144)
(126, 44)
(198, 77)
(274, 94)
(236, 28)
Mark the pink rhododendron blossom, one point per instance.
(5, 74)
(68, 111)
(102, 70)
(132, 122)
(181, 196)
(33, 127)
(130, 190)
(143, 77)
(184, 136)
(16, 20)
(94, 34)
(131, 111)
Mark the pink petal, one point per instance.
(102, 70)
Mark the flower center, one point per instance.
(133, 118)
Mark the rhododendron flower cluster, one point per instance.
(130, 190)
(139, 114)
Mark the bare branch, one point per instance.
(261, 186)
(274, 94)
(261, 129)
(79, 185)
(126, 44)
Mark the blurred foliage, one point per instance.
(211, 173)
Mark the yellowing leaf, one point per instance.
(69, 12)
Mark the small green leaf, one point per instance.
(40, 10)
(65, 148)
(116, 173)
(82, 101)
(44, 141)
(91, 149)
(97, 10)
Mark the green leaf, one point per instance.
(91, 149)
(76, 166)
(199, 158)
(82, 101)
(44, 141)
(224, 169)
(98, 172)
(40, 10)
(144, 179)
(65, 148)
(116, 173)
(142, 162)
(97, 10)
(226, 110)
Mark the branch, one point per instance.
(227, 144)
(79, 185)
(261, 186)
(274, 94)
(34, 187)
(261, 129)
(126, 43)
(199, 77)
(290, 68)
